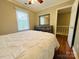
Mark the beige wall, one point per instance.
(53, 13)
(76, 44)
(7, 18)
(63, 19)
(8, 21)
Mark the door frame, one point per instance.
(68, 6)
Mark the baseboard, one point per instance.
(75, 54)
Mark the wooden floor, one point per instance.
(64, 51)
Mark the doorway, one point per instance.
(63, 21)
(62, 31)
(64, 36)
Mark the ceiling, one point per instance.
(35, 6)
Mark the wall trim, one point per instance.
(68, 6)
(75, 53)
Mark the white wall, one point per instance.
(76, 44)
(72, 22)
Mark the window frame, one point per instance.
(22, 10)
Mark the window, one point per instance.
(22, 19)
(42, 20)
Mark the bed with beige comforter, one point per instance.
(28, 45)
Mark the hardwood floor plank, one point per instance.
(64, 51)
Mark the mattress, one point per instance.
(28, 45)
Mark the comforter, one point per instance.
(28, 45)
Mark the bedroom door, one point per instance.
(72, 22)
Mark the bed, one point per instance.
(28, 45)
